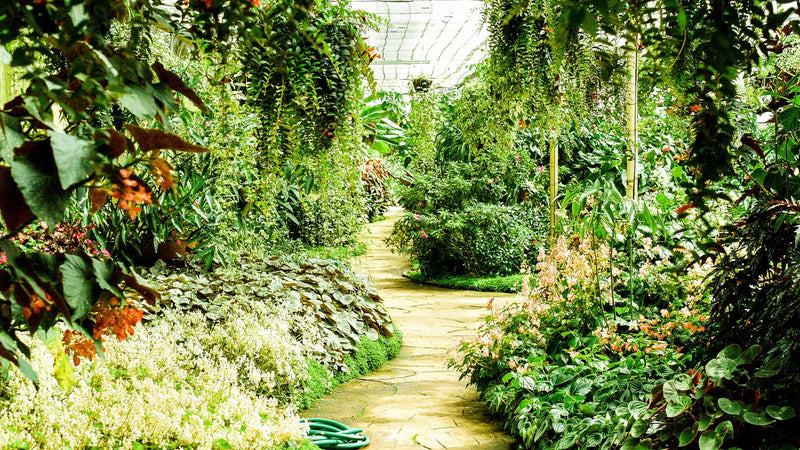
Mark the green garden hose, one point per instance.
(330, 434)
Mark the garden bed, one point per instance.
(238, 352)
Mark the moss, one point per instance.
(508, 283)
(369, 355)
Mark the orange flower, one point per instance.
(78, 345)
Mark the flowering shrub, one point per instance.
(176, 381)
(562, 363)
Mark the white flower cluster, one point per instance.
(176, 382)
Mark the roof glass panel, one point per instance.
(439, 39)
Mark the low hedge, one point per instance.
(369, 355)
(509, 283)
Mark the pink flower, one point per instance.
(419, 204)
(491, 180)
(3, 258)
(417, 216)
(517, 157)
(105, 253)
(422, 234)
(540, 169)
(89, 241)
(208, 123)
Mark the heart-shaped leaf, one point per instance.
(781, 412)
(729, 406)
(757, 418)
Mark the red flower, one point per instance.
(684, 208)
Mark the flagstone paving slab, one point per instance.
(415, 401)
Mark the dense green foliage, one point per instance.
(219, 145)
(472, 209)
(508, 283)
(278, 176)
(655, 325)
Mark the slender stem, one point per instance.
(553, 179)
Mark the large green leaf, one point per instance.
(721, 367)
(139, 101)
(729, 406)
(757, 418)
(79, 285)
(106, 272)
(687, 436)
(704, 422)
(780, 412)
(36, 176)
(732, 351)
(724, 430)
(682, 382)
(10, 138)
(709, 440)
(27, 370)
(639, 427)
(678, 406)
(75, 158)
(638, 409)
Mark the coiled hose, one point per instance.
(330, 434)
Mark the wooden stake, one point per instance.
(5, 84)
(632, 110)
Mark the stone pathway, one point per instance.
(415, 401)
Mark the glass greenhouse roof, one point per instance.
(439, 39)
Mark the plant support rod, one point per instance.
(632, 113)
